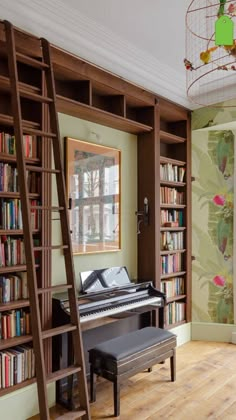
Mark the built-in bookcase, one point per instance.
(17, 362)
(174, 203)
(164, 178)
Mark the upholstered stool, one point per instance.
(124, 356)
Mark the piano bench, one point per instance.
(122, 357)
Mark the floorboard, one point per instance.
(204, 389)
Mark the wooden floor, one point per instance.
(205, 388)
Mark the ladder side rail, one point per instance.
(28, 239)
(68, 257)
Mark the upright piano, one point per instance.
(109, 305)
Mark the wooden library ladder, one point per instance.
(39, 335)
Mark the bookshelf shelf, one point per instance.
(4, 157)
(8, 121)
(172, 206)
(176, 324)
(7, 194)
(82, 110)
(177, 251)
(175, 298)
(172, 229)
(15, 232)
(164, 159)
(15, 341)
(170, 138)
(173, 184)
(6, 391)
(25, 88)
(176, 274)
(23, 303)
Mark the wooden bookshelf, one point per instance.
(34, 116)
(15, 341)
(13, 388)
(168, 144)
(16, 304)
(163, 134)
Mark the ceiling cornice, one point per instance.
(84, 37)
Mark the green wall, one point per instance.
(127, 143)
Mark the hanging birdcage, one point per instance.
(210, 65)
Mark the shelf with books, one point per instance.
(16, 232)
(174, 298)
(169, 252)
(172, 229)
(9, 194)
(6, 157)
(172, 183)
(15, 341)
(173, 274)
(21, 303)
(166, 159)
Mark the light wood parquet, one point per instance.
(205, 388)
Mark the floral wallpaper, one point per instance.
(212, 217)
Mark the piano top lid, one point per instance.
(101, 279)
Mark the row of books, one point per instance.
(173, 287)
(171, 240)
(12, 251)
(171, 263)
(17, 364)
(14, 323)
(9, 179)
(13, 287)
(172, 215)
(171, 196)
(11, 214)
(174, 312)
(173, 173)
(8, 144)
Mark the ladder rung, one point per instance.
(58, 330)
(40, 169)
(8, 120)
(34, 96)
(63, 373)
(53, 289)
(47, 208)
(72, 415)
(26, 91)
(31, 61)
(42, 248)
(40, 133)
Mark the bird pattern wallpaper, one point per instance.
(212, 218)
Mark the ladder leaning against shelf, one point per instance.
(19, 91)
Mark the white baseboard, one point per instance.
(212, 332)
(183, 333)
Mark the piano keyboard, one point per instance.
(156, 301)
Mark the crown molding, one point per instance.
(64, 27)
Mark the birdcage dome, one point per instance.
(210, 65)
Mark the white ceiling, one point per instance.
(142, 41)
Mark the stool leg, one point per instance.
(116, 393)
(92, 385)
(173, 366)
